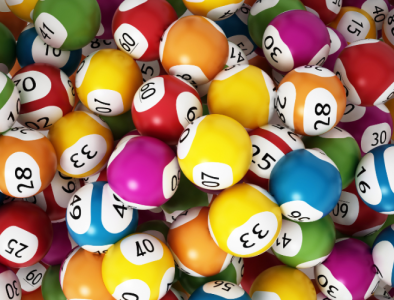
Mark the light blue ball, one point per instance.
(219, 290)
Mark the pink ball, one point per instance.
(338, 43)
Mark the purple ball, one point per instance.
(370, 126)
(143, 172)
(108, 9)
(151, 215)
(349, 272)
(338, 43)
(296, 38)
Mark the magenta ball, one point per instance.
(348, 272)
(143, 172)
(338, 43)
(370, 126)
(108, 9)
(296, 38)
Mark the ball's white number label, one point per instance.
(18, 245)
(141, 249)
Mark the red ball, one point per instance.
(326, 10)
(163, 107)
(138, 26)
(25, 234)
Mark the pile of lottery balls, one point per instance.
(196, 149)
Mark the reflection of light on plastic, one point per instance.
(185, 59)
(193, 254)
(133, 185)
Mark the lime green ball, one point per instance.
(9, 103)
(67, 24)
(342, 148)
(304, 245)
(119, 125)
(264, 11)
(7, 49)
(50, 288)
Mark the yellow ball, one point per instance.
(139, 266)
(244, 93)
(22, 9)
(215, 10)
(214, 152)
(83, 144)
(284, 283)
(107, 81)
(244, 220)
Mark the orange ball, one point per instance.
(195, 49)
(13, 23)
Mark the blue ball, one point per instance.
(375, 179)
(383, 255)
(31, 49)
(219, 290)
(236, 29)
(306, 184)
(96, 219)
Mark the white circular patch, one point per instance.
(223, 289)
(329, 285)
(315, 70)
(130, 4)
(149, 69)
(50, 30)
(32, 86)
(335, 44)
(43, 53)
(285, 102)
(213, 175)
(141, 249)
(235, 55)
(335, 6)
(132, 289)
(374, 136)
(79, 210)
(24, 134)
(347, 209)
(106, 102)
(83, 69)
(388, 26)
(63, 188)
(10, 288)
(31, 277)
(186, 217)
(187, 137)
(300, 211)
(353, 113)
(378, 11)
(41, 119)
(243, 42)
(166, 281)
(289, 241)
(149, 94)
(130, 40)
(260, 6)
(354, 26)
(188, 108)
(9, 112)
(171, 178)
(223, 12)
(98, 44)
(383, 257)
(192, 74)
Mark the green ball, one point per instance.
(178, 6)
(342, 148)
(9, 103)
(304, 245)
(50, 288)
(67, 24)
(7, 49)
(119, 125)
(260, 15)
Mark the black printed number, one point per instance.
(14, 245)
(83, 152)
(379, 138)
(148, 246)
(356, 30)
(12, 290)
(297, 215)
(128, 43)
(24, 174)
(76, 210)
(362, 185)
(33, 278)
(211, 183)
(226, 286)
(268, 44)
(324, 110)
(260, 236)
(343, 208)
(322, 280)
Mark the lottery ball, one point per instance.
(219, 289)
(150, 69)
(159, 229)
(387, 30)
(55, 27)
(194, 48)
(30, 277)
(96, 221)
(349, 272)
(263, 12)
(305, 245)
(192, 246)
(27, 162)
(370, 126)
(235, 56)
(354, 24)
(164, 106)
(341, 148)
(382, 250)
(284, 53)
(12, 22)
(139, 265)
(353, 217)
(223, 167)
(326, 10)
(270, 283)
(83, 144)
(106, 82)
(107, 9)
(244, 93)
(97, 44)
(213, 10)
(270, 143)
(26, 234)
(249, 231)
(46, 94)
(297, 183)
(7, 51)
(9, 103)
(10, 287)
(80, 276)
(131, 33)
(50, 286)
(22, 9)
(310, 100)
(143, 172)
(31, 49)
(355, 76)
(338, 43)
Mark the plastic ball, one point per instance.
(55, 27)
(387, 30)
(131, 33)
(310, 100)
(96, 45)
(338, 43)
(8, 49)
(326, 10)
(298, 184)
(83, 144)
(50, 287)
(30, 277)
(244, 93)
(151, 69)
(270, 143)
(213, 10)
(354, 24)
(305, 245)
(219, 168)
(219, 289)
(249, 231)
(194, 48)
(353, 217)
(369, 83)
(192, 246)
(27, 162)
(284, 53)
(31, 49)
(96, 221)
(107, 9)
(349, 272)
(163, 106)
(139, 265)
(106, 82)
(10, 287)
(46, 94)
(22, 9)
(235, 56)
(370, 126)
(9, 103)
(80, 276)
(382, 250)
(26, 234)
(271, 282)
(12, 22)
